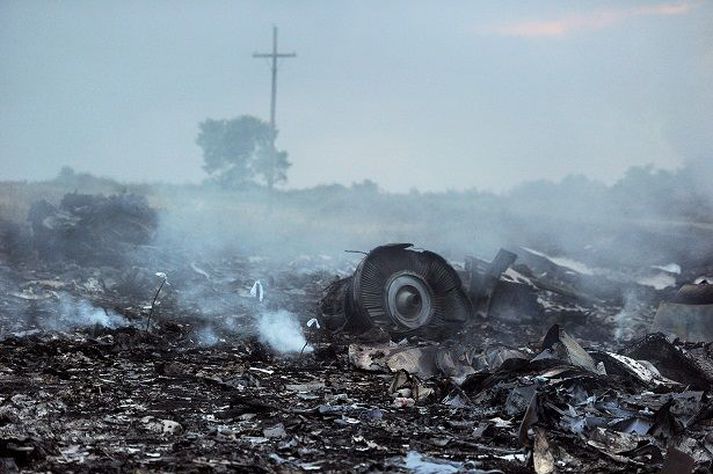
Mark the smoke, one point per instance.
(71, 313)
(216, 243)
(76, 312)
(208, 237)
(625, 321)
(207, 337)
(281, 331)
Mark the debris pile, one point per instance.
(92, 229)
(395, 362)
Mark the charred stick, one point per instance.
(153, 303)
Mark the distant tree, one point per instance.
(239, 151)
(67, 173)
(367, 186)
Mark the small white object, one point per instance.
(670, 268)
(313, 322)
(403, 402)
(261, 370)
(257, 291)
(200, 271)
(171, 427)
(163, 277)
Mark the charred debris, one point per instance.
(117, 355)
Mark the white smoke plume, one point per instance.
(281, 331)
(76, 313)
(625, 321)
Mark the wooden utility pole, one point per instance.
(274, 55)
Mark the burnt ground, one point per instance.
(103, 403)
(76, 397)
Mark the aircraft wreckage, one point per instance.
(416, 364)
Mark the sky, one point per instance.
(410, 94)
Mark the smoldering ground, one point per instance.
(649, 219)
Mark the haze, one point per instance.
(413, 95)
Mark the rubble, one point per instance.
(687, 363)
(92, 229)
(149, 401)
(529, 377)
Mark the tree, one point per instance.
(240, 151)
(67, 173)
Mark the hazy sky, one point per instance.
(427, 95)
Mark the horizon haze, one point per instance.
(409, 95)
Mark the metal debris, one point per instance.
(689, 314)
(92, 229)
(403, 291)
(553, 391)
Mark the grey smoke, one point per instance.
(625, 320)
(207, 337)
(76, 313)
(281, 331)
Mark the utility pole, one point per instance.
(274, 55)
(273, 97)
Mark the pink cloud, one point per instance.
(595, 20)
